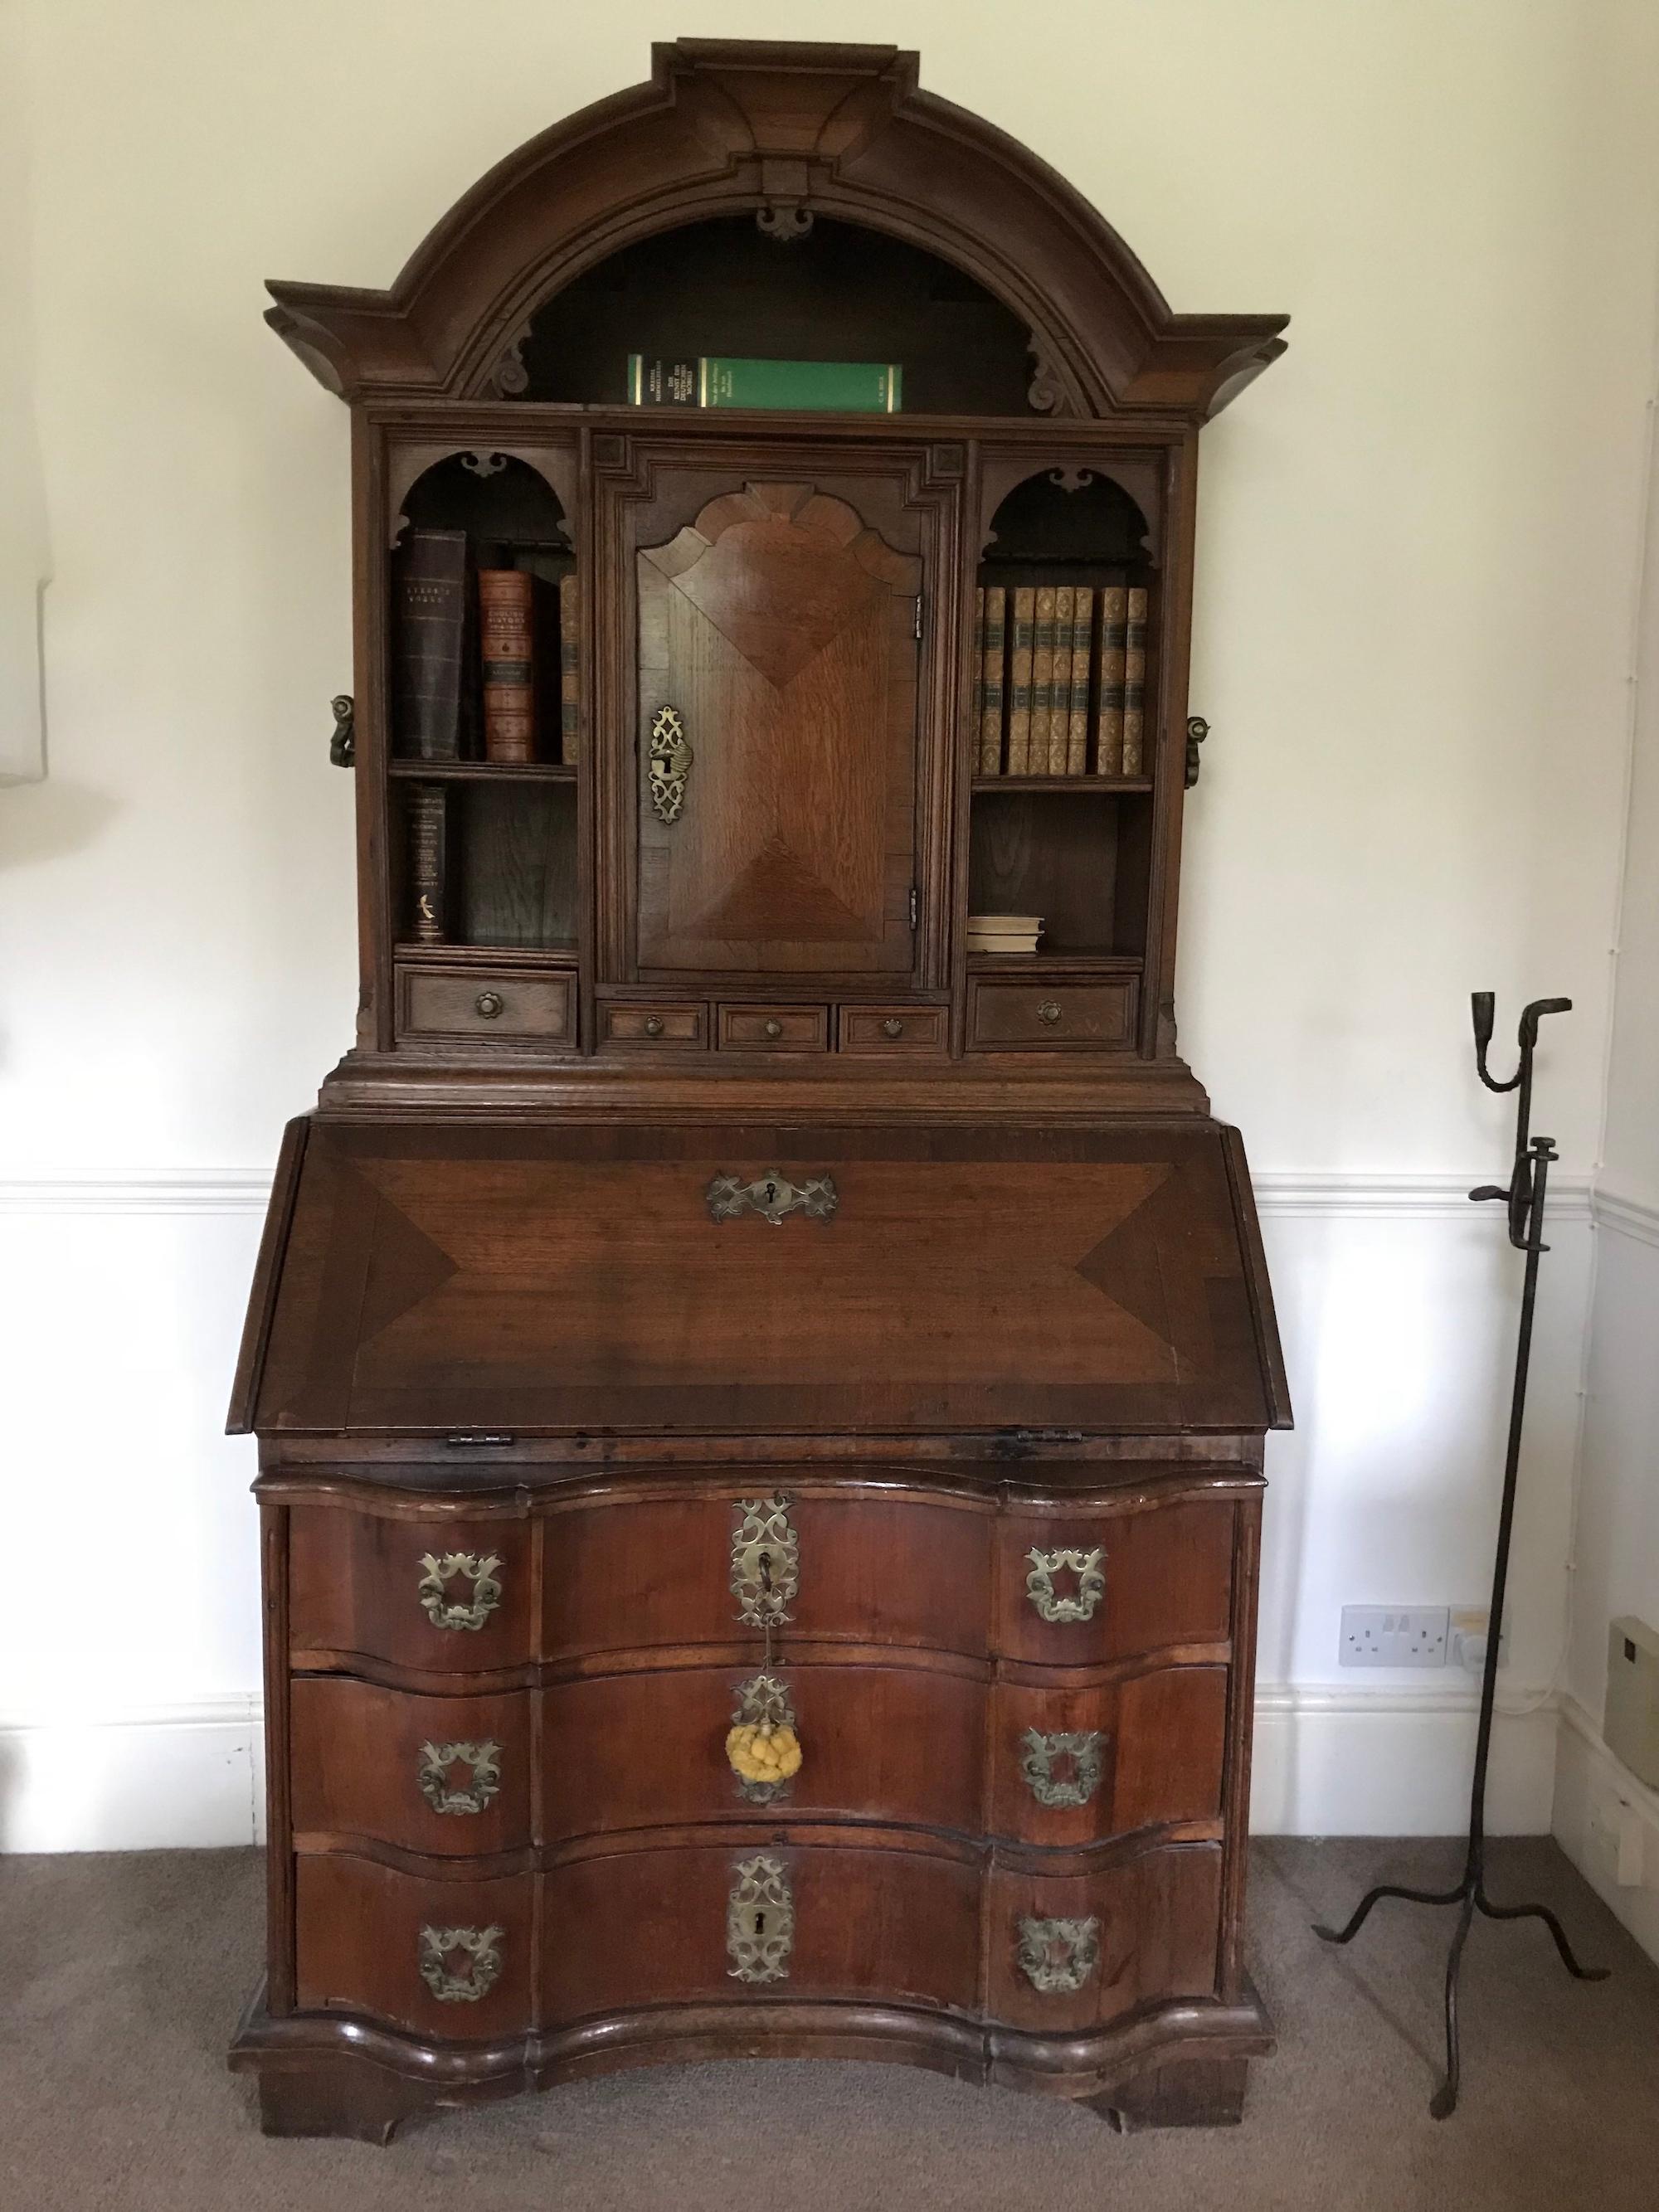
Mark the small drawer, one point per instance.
(665, 1028)
(1072, 1953)
(775, 1029)
(1091, 1015)
(1082, 1590)
(893, 1029)
(444, 1594)
(446, 1777)
(439, 1002)
(442, 1957)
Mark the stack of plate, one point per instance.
(1004, 933)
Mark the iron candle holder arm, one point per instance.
(1518, 1191)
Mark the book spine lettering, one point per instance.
(1043, 678)
(506, 647)
(429, 654)
(1134, 685)
(570, 693)
(1020, 682)
(1109, 696)
(429, 819)
(990, 719)
(850, 387)
(1059, 712)
(1077, 722)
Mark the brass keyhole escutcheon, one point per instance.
(773, 1027)
(654, 1025)
(487, 1004)
(892, 1027)
(1049, 1011)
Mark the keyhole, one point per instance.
(760, 1923)
(771, 1194)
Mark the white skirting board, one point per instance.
(1327, 1762)
(1599, 1805)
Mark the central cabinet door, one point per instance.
(778, 719)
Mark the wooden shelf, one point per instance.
(1098, 784)
(1017, 963)
(468, 771)
(560, 956)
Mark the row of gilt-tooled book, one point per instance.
(485, 659)
(1061, 687)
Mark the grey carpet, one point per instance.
(121, 1978)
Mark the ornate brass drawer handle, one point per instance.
(478, 1946)
(1090, 1583)
(772, 1196)
(483, 1574)
(765, 1561)
(1042, 1753)
(670, 759)
(432, 1773)
(760, 1922)
(1058, 1956)
(762, 1745)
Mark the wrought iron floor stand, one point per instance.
(1524, 1197)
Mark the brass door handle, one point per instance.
(1049, 1011)
(670, 764)
(487, 1004)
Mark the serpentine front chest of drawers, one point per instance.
(760, 1388)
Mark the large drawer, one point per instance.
(772, 1277)
(1071, 1765)
(885, 1744)
(1079, 1589)
(449, 1958)
(869, 1568)
(447, 1776)
(773, 1916)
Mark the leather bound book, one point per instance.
(1060, 706)
(977, 710)
(1020, 682)
(1108, 694)
(1134, 685)
(991, 688)
(428, 671)
(506, 613)
(1076, 720)
(428, 862)
(570, 632)
(1043, 678)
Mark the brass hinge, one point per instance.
(915, 906)
(918, 620)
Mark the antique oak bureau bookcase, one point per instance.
(760, 1407)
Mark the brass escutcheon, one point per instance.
(669, 765)
(773, 1196)
(483, 1967)
(1082, 1747)
(432, 1769)
(765, 1561)
(1090, 1583)
(483, 1574)
(760, 1922)
(1058, 1956)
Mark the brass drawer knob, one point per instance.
(439, 1571)
(1049, 1011)
(1058, 1956)
(654, 1025)
(1047, 1758)
(1087, 1566)
(476, 1951)
(487, 1004)
(434, 1768)
(892, 1027)
(760, 1921)
(774, 1026)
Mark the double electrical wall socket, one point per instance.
(1394, 1635)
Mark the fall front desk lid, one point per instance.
(752, 1278)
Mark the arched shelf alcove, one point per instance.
(787, 136)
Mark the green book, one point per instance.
(840, 387)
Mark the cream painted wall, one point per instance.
(1418, 537)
